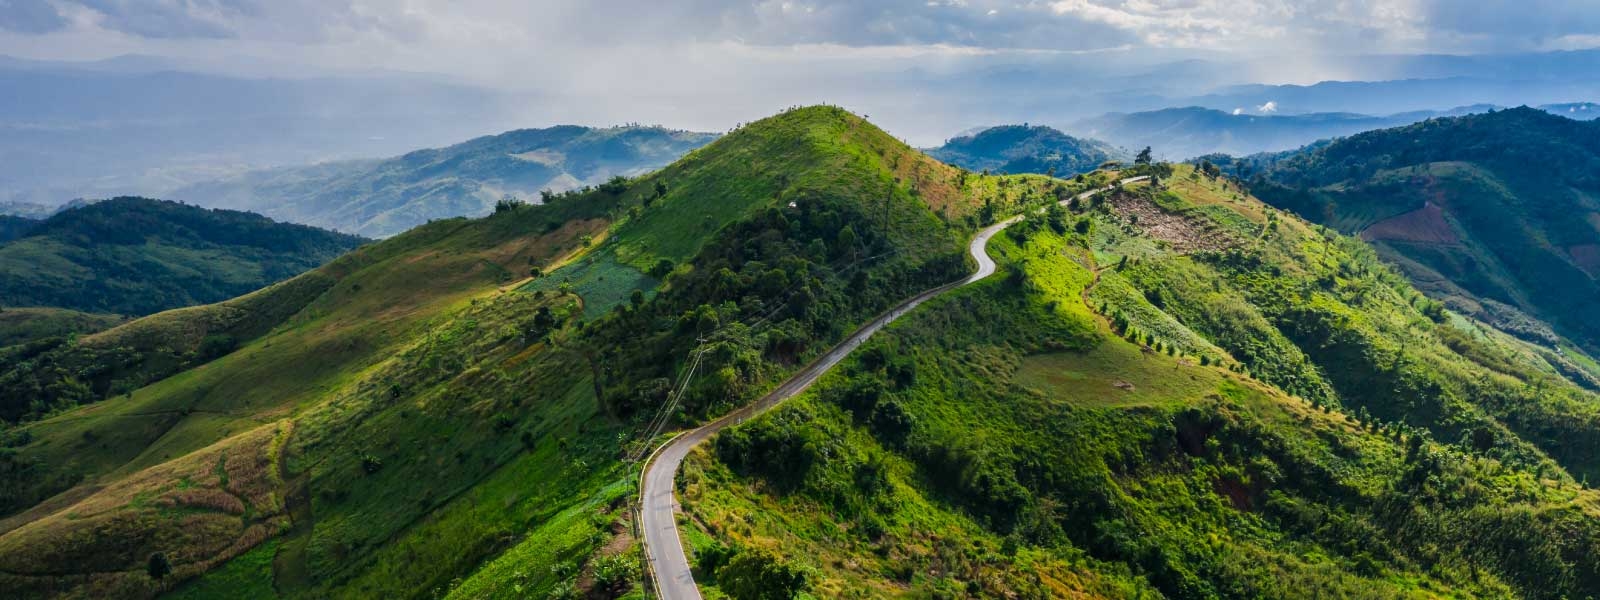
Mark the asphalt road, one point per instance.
(669, 565)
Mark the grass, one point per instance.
(553, 552)
(21, 324)
(1116, 375)
(599, 279)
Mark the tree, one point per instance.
(1143, 159)
(847, 240)
(158, 567)
(662, 268)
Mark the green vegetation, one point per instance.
(136, 256)
(1170, 390)
(13, 227)
(1010, 428)
(18, 325)
(1494, 214)
(439, 422)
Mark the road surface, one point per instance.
(669, 565)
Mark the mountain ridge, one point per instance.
(381, 197)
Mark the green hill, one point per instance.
(1497, 214)
(1025, 149)
(380, 198)
(1172, 390)
(1189, 395)
(136, 256)
(419, 411)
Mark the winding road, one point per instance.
(669, 565)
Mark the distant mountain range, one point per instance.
(136, 256)
(1026, 149)
(380, 198)
(1181, 133)
(137, 125)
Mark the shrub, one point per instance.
(759, 575)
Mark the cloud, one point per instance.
(1238, 111)
(1270, 107)
(1039, 25)
(30, 16)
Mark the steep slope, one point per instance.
(1182, 133)
(1496, 214)
(137, 256)
(412, 420)
(1024, 149)
(383, 197)
(1173, 392)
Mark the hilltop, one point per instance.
(136, 256)
(1495, 213)
(379, 198)
(1025, 149)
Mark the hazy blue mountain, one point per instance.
(25, 209)
(134, 126)
(1026, 149)
(384, 197)
(1581, 111)
(1179, 133)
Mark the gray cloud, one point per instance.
(30, 16)
(1052, 25)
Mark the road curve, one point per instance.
(669, 565)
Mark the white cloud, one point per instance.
(1270, 107)
(1238, 111)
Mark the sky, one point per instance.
(704, 62)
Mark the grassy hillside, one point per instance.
(137, 256)
(420, 418)
(1496, 214)
(18, 325)
(380, 198)
(1024, 149)
(1172, 392)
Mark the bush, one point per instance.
(754, 574)
(616, 573)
